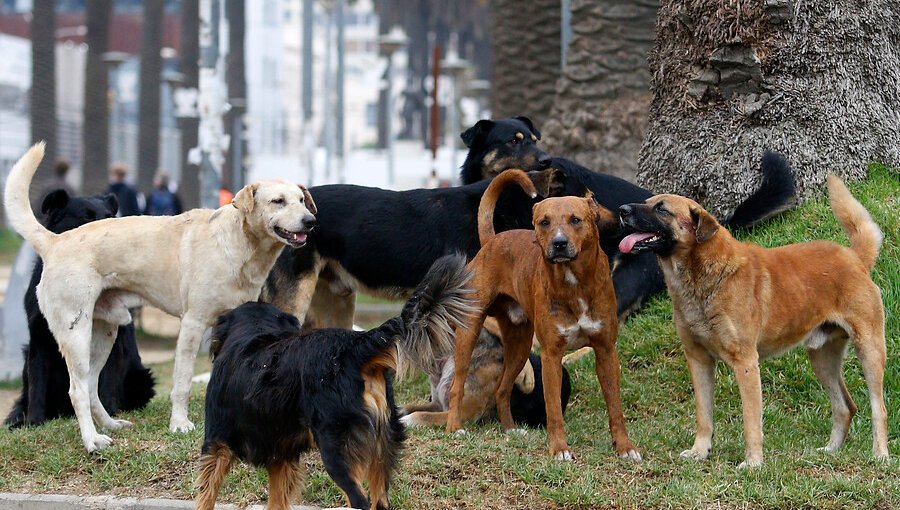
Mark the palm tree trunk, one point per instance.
(817, 81)
(603, 96)
(43, 88)
(236, 80)
(95, 128)
(149, 99)
(525, 57)
(189, 187)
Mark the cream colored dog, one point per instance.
(196, 265)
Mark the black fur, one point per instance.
(637, 276)
(273, 388)
(124, 382)
(530, 409)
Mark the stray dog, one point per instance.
(526, 401)
(382, 243)
(553, 281)
(498, 145)
(275, 393)
(124, 382)
(739, 303)
(195, 265)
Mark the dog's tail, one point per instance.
(492, 194)
(18, 208)
(424, 329)
(865, 236)
(776, 194)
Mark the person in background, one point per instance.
(163, 201)
(127, 195)
(58, 181)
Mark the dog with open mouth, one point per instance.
(741, 303)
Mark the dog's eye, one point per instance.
(514, 141)
(659, 209)
(545, 222)
(575, 221)
(278, 201)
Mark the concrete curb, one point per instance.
(62, 502)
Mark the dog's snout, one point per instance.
(309, 221)
(544, 160)
(625, 211)
(560, 242)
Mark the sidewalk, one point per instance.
(60, 502)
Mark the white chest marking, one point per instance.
(570, 277)
(583, 327)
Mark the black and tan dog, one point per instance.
(275, 393)
(740, 303)
(553, 281)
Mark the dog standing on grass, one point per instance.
(739, 302)
(275, 393)
(553, 281)
(195, 265)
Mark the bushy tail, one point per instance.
(18, 208)
(776, 194)
(440, 303)
(865, 236)
(492, 194)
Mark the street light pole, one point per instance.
(454, 67)
(211, 104)
(390, 43)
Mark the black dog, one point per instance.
(124, 382)
(495, 145)
(275, 393)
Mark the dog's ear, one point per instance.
(530, 125)
(476, 132)
(112, 203)
(54, 201)
(308, 200)
(705, 225)
(604, 218)
(245, 199)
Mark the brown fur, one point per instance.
(739, 302)
(513, 269)
(214, 466)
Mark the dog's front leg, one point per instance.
(746, 372)
(35, 380)
(551, 368)
(608, 375)
(703, 377)
(185, 355)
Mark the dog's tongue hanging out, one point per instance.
(627, 243)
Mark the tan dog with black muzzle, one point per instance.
(553, 281)
(739, 303)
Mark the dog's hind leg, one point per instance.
(334, 450)
(75, 346)
(284, 479)
(185, 355)
(213, 468)
(868, 340)
(102, 340)
(827, 363)
(516, 347)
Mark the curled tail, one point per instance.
(440, 303)
(865, 236)
(492, 194)
(18, 208)
(777, 193)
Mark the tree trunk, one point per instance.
(189, 187)
(148, 101)
(95, 128)
(602, 99)
(525, 58)
(236, 80)
(43, 89)
(818, 81)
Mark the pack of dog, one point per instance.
(124, 384)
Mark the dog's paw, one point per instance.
(117, 424)
(829, 448)
(516, 432)
(460, 433)
(631, 455)
(408, 420)
(97, 442)
(750, 464)
(565, 456)
(695, 454)
(181, 425)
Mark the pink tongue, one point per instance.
(300, 238)
(628, 242)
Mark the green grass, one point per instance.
(487, 469)
(9, 245)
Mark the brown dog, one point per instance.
(739, 302)
(554, 281)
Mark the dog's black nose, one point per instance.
(544, 160)
(560, 243)
(625, 211)
(309, 222)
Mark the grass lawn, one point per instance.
(487, 469)
(9, 245)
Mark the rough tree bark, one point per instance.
(95, 128)
(525, 58)
(43, 88)
(148, 101)
(189, 187)
(818, 81)
(602, 99)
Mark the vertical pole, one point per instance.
(211, 103)
(566, 30)
(389, 114)
(307, 138)
(435, 107)
(453, 126)
(326, 94)
(339, 86)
